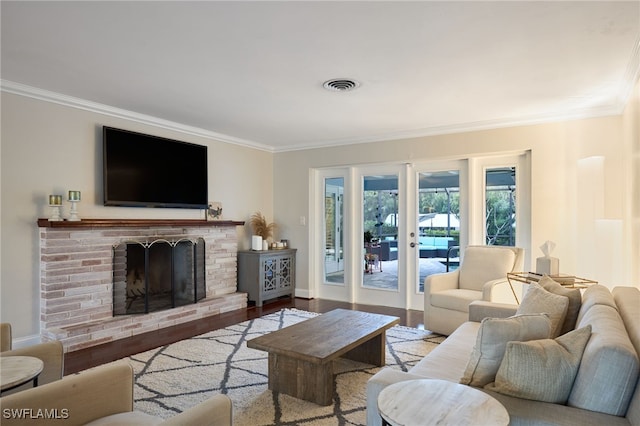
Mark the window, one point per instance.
(500, 206)
(333, 230)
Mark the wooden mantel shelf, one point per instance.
(119, 223)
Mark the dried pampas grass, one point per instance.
(260, 226)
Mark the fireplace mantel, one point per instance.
(120, 223)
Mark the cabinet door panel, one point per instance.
(285, 271)
(270, 275)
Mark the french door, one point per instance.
(382, 211)
(366, 254)
(383, 229)
(439, 222)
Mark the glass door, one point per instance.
(330, 230)
(437, 224)
(382, 253)
(380, 222)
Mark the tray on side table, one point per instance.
(569, 281)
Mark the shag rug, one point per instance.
(173, 378)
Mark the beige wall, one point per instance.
(631, 123)
(555, 151)
(49, 148)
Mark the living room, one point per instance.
(51, 143)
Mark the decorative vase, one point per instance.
(256, 242)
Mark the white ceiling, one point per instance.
(252, 72)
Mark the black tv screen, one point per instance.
(149, 171)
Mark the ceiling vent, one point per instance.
(340, 85)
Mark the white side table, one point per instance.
(428, 402)
(18, 370)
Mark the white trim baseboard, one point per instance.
(23, 342)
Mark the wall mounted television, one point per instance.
(149, 171)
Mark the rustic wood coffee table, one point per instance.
(301, 356)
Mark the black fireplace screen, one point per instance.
(157, 275)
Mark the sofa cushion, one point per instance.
(542, 370)
(482, 264)
(455, 299)
(449, 360)
(537, 300)
(609, 369)
(526, 412)
(575, 301)
(131, 418)
(491, 342)
(595, 295)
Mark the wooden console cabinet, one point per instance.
(267, 274)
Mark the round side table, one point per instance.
(428, 401)
(18, 370)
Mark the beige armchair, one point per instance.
(5, 337)
(102, 396)
(447, 296)
(51, 354)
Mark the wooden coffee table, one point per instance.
(301, 356)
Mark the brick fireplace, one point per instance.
(76, 277)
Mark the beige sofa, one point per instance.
(606, 389)
(101, 396)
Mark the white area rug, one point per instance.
(175, 377)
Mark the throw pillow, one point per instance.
(537, 300)
(575, 301)
(491, 342)
(542, 370)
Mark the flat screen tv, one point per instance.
(149, 171)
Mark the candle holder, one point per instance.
(55, 213)
(74, 199)
(73, 212)
(55, 202)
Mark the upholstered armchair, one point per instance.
(103, 396)
(447, 296)
(51, 354)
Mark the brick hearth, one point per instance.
(76, 278)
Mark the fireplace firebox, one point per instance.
(150, 276)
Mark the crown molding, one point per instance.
(531, 120)
(631, 77)
(73, 102)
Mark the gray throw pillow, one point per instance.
(537, 300)
(491, 342)
(542, 370)
(575, 301)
